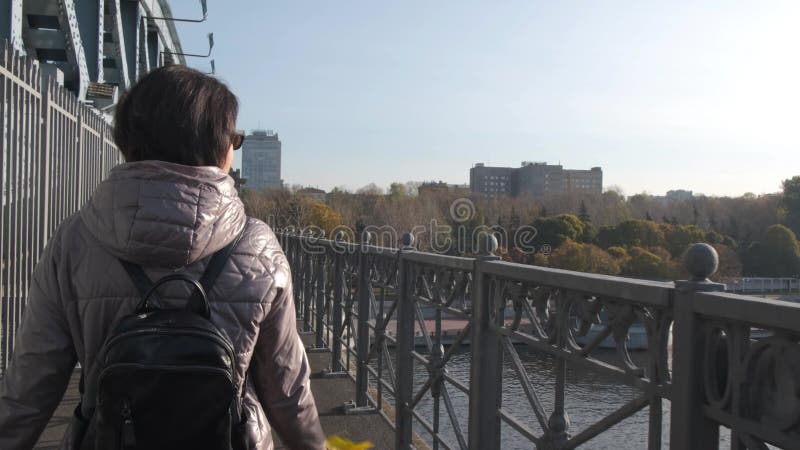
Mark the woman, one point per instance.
(169, 207)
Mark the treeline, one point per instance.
(644, 248)
(640, 236)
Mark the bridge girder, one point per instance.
(92, 42)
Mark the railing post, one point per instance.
(362, 344)
(690, 428)
(305, 281)
(297, 250)
(338, 293)
(404, 389)
(319, 329)
(292, 245)
(487, 358)
(44, 161)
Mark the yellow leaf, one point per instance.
(338, 443)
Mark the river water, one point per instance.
(590, 396)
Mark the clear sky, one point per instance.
(700, 95)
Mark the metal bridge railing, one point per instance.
(717, 367)
(54, 152)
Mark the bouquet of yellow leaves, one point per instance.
(339, 443)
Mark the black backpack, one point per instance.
(167, 377)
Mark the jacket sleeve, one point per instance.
(281, 377)
(41, 363)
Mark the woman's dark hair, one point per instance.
(179, 115)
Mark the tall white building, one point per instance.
(261, 160)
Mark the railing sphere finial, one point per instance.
(487, 244)
(339, 236)
(407, 240)
(701, 261)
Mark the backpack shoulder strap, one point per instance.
(216, 265)
(139, 278)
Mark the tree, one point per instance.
(540, 259)
(733, 226)
(673, 267)
(370, 189)
(321, 215)
(631, 233)
(679, 237)
(644, 264)
(712, 221)
(782, 244)
(589, 234)
(609, 208)
(617, 252)
(583, 213)
(712, 237)
(412, 188)
(791, 202)
(397, 190)
(730, 242)
(514, 219)
(755, 260)
(553, 231)
(730, 266)
(778, 255)
(608, 236)
(583, 258)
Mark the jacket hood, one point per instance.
(160, 214)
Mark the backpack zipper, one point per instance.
(128, 432)
(174, 331)
(179, 368)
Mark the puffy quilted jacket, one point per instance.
(165, 217)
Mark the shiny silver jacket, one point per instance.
(165, 217)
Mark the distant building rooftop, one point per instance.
(313, 193)
(264, 133)
(311, 190)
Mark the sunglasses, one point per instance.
(237, 139)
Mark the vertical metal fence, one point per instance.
(435, 344)
(54, 152)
